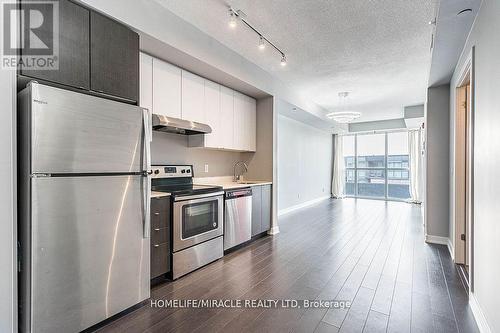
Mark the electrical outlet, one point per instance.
(206, 168)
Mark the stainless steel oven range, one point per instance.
(197, 218)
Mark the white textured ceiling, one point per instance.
(379, 50)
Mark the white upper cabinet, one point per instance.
(212, 109)
(166, 89)
(240, 119)
(193, 92)
(251, 124)
(227, 117)
(146, 81)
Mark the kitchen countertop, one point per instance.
(227, 183)
(155, 194)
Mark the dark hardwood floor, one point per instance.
(365, 251)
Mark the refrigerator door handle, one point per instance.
(147, 206)
(148, 137)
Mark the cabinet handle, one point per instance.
(157, 214)
(156, 245)
(157, 229)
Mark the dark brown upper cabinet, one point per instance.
(74, 43)
(114, 58)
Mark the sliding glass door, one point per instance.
(376, 165)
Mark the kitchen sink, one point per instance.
(248, 182)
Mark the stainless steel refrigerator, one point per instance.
(84, 208)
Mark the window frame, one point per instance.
(385, 168)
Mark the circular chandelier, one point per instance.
(344, 116)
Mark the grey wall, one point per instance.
(169, 148)
(8, 274)
(484, 36)
(414, 111)
(304, 163)
(260, 163)
(437, 160)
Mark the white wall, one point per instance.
(437, 160)
(304, 163)
(484, 36)
(8, 274)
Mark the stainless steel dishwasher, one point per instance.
(237, 217)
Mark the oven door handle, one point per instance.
(198, 196)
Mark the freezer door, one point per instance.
(89, 259)
(78, 133)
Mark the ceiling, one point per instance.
(378, 50)
(450, 34)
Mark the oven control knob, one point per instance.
(183, 171)
(157, 171)
(188, 170)
(214, 224)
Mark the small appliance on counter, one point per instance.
(197, 218)
(238, 217)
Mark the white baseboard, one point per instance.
(442, 241)
(274, 230)
(481, 322)
(451, 249)
(436, 239)
(302, 205)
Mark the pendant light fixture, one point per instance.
(344, 116)
(235, 15)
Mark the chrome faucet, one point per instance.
(236, 178)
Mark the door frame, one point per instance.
(463, 166)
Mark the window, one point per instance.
(349, 156)
(377, 165)
(398, 184)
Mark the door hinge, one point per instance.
(462, 237)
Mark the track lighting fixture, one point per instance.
(238, 15)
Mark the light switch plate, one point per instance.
(206, 167)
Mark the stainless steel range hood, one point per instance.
(179, 126)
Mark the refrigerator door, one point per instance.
(77, 133)
(89, 259)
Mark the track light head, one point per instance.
(232, 19)
(283, 60)
(262, 43)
